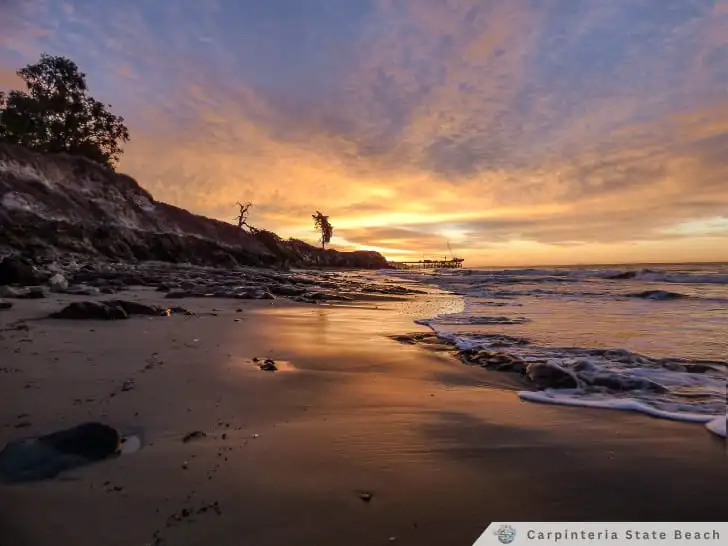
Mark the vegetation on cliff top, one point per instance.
(56, 114)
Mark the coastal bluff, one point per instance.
(53, 205)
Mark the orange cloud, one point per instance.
(486, 124)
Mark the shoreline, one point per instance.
(442, 448)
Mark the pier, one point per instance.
(454, 263)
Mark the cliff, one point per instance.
(58, 204)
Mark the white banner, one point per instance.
(603, 534)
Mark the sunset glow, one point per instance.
(522, 132)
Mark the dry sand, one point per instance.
(443, 448)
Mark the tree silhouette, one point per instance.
(56, 114)
(323, 225)
(242, 217)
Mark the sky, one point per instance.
(523, 132)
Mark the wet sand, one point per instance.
(444, 449)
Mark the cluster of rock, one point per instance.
(21, 278)
(577, 372)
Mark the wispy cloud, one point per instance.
(541, 129)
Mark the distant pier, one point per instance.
(454, 263)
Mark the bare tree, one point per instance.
(323, 225)
(242, 217)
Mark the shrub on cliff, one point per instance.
(56, 114)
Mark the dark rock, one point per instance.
(135, 308)
(178, 311)
(24, 293)
(546, 375)
(128, 385)
(498, 361)
(45, 457)
(16, 270)
(365, 496)
(33, 293)
(195, 435)
(93, 441)
(621, 383)
(5, 305)
(178, 294)
(698, 368)
(81, 290)
(287, 290)
(90, 310)
(268, 365)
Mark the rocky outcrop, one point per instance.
(60, 205)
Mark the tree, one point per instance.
(242, 217)
(323, 225)
(56, 114)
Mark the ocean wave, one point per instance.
(472, 320)
(717, 426)
(657, 295)
(674, 388)
(657, 275)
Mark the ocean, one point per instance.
(647, 338)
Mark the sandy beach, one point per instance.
(357, 439)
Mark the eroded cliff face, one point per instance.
(59, 205)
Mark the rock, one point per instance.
(178, 311)
(5, 305)
(82, 290)
(58, 283)
(498, 361)
(113, 309)
(696, 368)
(365, 496)
(33, 293)
(195, 435)
(90, 310)
(128, 385)
(16, 270)
(25, 293)
(178, 294)
(45, 457)
(621, 383)
(10, 292)
(268, 365)
(549, 375)
(135, 308)
(286, 290)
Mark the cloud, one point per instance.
(580, 127)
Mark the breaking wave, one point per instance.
(560, 334)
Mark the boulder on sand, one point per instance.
(547, 375)
(32, 459)
(58, 283)
(114, 310)
(16, 270)
(90, 310)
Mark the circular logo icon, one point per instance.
(506, 534)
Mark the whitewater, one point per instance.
(650, 339)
